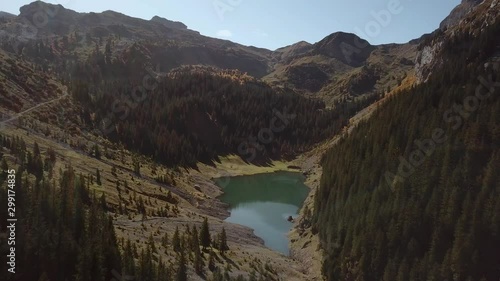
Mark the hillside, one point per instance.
(411, 194)
(117, 127)
(340, 66)
(481, 15)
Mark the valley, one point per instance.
(144, 150)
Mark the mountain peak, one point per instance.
(36, 6)
(169, 23)
(341, 36)
(346, 47)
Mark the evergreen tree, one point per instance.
(181, 274)
(164, 240)
(98, 177)
(151, 243)
(223, 247)
(176, 241)
(205, 234)
(4, 171)
(97, 152)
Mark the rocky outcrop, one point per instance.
(426, 60)
(5, 15)
(471, 16)
(459, 12)
(169, 23)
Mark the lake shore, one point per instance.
(304, 255)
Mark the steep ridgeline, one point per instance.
(470, 17)
(342, 66)
(458, 13)
(71, 36)
(339, 67)
(414, 193)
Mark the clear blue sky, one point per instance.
(276, 23)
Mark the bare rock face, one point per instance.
(426, 60)
(5, 15)
(459, 12)
(169, 23)
(47, 18)
(469, 16)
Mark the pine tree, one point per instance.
(195, 248)
(176, 241)
(164, 240)
(36, 150)
(5, 168)
(181, 274)
(128, 260)
(151, 243)
(98, 177)
(137, 168)
(223, 241)
(198, 261)
(194, 241)
(97, 152)
(205, 234)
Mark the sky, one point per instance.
(273, 24)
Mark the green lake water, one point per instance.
(263, 202)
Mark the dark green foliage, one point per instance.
(198, 258)
(441, 220)
(223, 247)
(181, 274)
(34, 163)
(3, 170)
(205, 234)
(164, 240)
(137, 167)
(176, 241)
(61, 233)
(98, 177)
(193, 116)
(96, 152)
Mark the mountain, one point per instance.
(171, 44)
(340, 66)
(481, 14)
(412, 193)
(459, 12)
(169, 23)
(117, 126)
(5, 15)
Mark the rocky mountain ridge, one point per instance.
(470, 17)
(326, 67)
(340, 66)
